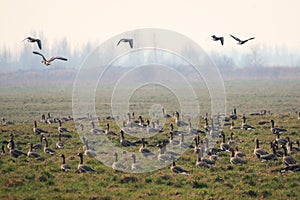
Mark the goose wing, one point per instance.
(237, 39)
(131, 43)
(250, 39)
(39, 43)
(121, 40)
(57, 57)
(38, 53)
(222, 40)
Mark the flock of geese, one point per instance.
(47, 62)
(206, 157)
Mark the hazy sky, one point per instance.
(270, 21)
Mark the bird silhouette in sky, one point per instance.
(32, 40)
(241, 41)
(48, 62)
(130, 41)
(215, 38)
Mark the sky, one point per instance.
(270, 22)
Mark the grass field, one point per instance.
(29, 178)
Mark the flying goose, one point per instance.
(236, 160)
(223, 145)
(288, 160)
(31, 153)
(241, 41)
(116, 164)
(83, 168)
(135, 165)
(178, 169)
(259, 151)
(144, 150)
(215, 38)
(130, 41)
(32, 40)
(48, 150)
(64, 167)
(62, 129)
(60, 144)
(276, 130)
(37, 130)
(48, 62)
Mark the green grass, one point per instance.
(27, 178)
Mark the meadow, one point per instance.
(29, 178)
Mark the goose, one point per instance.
(172, 140)
(209, 162)
(223, 145)
(196, 147)
(288, 160)
(239, 153)
(38, 145)
(276, 130)
(236, 160)
(259, 151)
(116, 164)
(135, 165)
(213, 150)
(48, 62)
(279, 140)
(83, 168)
(162, 156)
(240, 42)
(291, 168)
(291, 149)
(234, 116)
(60, 144)
(179, 122)
(144, 150)
(32, 40)
(165, 115)
(31, 153)
(231, 141)
(64, 167)
(183, 144)
(193, 130)
(48, 150)
(49, 120)
(178, 169)
(125, 142)
(88, 151)
(62, 129)
(95, 130)
(268, 157)
(200, 163)
(279, 153)
(37, 130)
(109, 132)
(246, 126)
(130, 41)
(215, 38)
(232, 127)
(14, 152)
(11, 144)
(212, 155)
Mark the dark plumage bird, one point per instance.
(130, 41)
(48, 62)
(215, 38)
(241, 41)
(38, 41)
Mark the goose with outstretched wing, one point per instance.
(48, 62)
